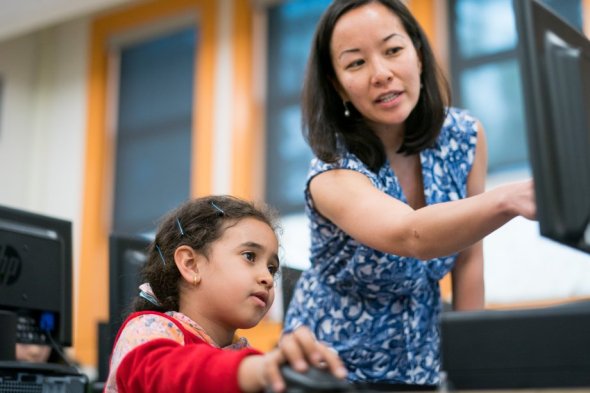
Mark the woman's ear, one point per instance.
(188, 261)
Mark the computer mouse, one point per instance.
(313, 380)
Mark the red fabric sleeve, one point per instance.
(163, 365)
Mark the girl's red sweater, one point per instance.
(163, 365)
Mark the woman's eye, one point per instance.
(393, 51)
(249, 256)
(356, 63)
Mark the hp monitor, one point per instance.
(36, 275)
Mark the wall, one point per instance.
(17, 70)
(42, 130)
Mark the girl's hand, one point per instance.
(300, 349)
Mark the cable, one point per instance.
(57, 348)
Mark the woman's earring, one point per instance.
(346, 110)
(194, 280)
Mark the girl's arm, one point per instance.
(163, 365)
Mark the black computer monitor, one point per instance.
(36, 275)
(555, 70)
(289, 278)
(127, 254)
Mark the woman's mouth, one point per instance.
(388, 97)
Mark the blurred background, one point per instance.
(112, 112)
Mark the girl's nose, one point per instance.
(265, 278)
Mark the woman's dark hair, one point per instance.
(325, 127)
(196, 223)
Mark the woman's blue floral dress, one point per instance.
(380, 311)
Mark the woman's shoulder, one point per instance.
(459, 127)
(346, 161)
(459, 120)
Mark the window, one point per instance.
(290, 31)
(486, 74)
(153, 156)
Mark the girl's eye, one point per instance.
(249, 256)
(273, 269)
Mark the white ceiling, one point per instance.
(22, 16)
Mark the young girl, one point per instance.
(210, 271)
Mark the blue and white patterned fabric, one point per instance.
(380, 311)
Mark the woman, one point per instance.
(395, 195)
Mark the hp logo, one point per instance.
(10, 265)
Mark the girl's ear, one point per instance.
(188, 261)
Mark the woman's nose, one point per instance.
(381, 74)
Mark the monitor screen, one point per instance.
(36, 275)
(555, 69)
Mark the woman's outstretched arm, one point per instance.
(374, 218)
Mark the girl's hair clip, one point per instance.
(220, 211)
(161, 255)
(180, 227)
